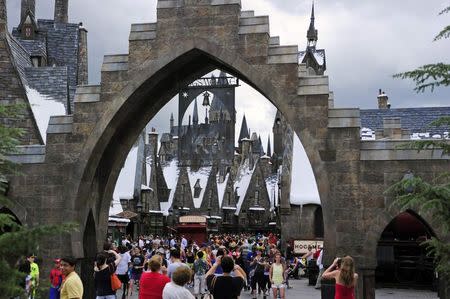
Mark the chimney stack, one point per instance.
(61, 11)
(27, 5)
(3, 17)
(383, 102)
(82, 56)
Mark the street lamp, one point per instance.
(139, 208)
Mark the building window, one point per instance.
(27, 31)
(197, 189)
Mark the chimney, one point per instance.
(3, 17)
(383, 100)
(61, 11)
(27, 5)
(82, 78)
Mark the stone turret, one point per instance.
(61, 11)
(172, 120)
(82, 56)
(153, 143)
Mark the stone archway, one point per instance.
(115, 132)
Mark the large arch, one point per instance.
(149, 88)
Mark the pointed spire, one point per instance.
(312, 35)
(269, 149)
(195, 114)
(172, 120)
(223, 78)
(244, 130)
(27, 6)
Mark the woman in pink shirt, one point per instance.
(152, 283)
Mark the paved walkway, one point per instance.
(301, 290)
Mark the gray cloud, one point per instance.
(366, 41)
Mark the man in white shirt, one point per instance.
(184, 243)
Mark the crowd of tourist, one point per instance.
(177, 268)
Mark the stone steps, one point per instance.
(60, 124)
(344, 118)
(143, 31)
(87, 94)
(283, 54)
(254, 25)
(115, 63)
(29, 154)
(313, 85)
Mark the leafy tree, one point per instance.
(16, 241)
(414, 192)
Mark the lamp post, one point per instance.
(206, 104)
(139, 211)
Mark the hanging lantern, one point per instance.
(206, 99)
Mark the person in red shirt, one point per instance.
(152, 283)
(56, 278)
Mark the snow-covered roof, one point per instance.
(125, 183)
(118, 219)
(148, 169)
(243, 178)
(221, 188)
(367, 134)
(145, 187)
(303, 184)
(257, 209)
(265, 157)
(115, 208)
(171, 173)
(228, 208)
(272, 189)
(156, 212)
(43, 108)
(201, 176)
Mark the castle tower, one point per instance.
(27, 6)
(269, 149)
(61, 11)
(278, 135)
(244, 130)
(195, 114)
(153, 143)
(312, 34)
(171, 122)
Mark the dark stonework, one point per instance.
(61, 11)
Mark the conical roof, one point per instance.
(244, 130)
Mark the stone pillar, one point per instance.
(82, 78)
(61, 11)
(25, 6)
(392, 127)
(366, 284)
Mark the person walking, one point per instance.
(278, 277)
(175, 289)
(343, 271)
(175, 262)
(225, 286)
(122, 269)
(56, 279)
(72, 287)
(102, 275)
(321, 269)
(200, 268)
(137, 266)
(34, 273)
(152, 283)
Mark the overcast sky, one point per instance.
(365, 42)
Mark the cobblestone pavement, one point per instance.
(303, 291)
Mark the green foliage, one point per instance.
(433, 198)
(428, 76)
(414, 192)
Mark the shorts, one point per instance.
(124, 278)
(136, 276)
(279, 286)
